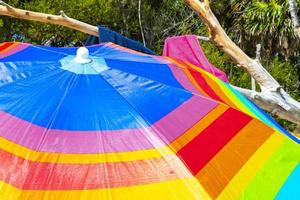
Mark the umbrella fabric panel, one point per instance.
(51, 140)
(233, 98)
(212, 87)
(236, 149)
(26, 52)
(56, 96)
(212, 143)
(139, 88)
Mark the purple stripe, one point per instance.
(160, 134)
(178, 74)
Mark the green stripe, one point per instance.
(274, 173)
(251, 108)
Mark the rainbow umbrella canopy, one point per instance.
(133, 126)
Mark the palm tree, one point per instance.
(266, 22)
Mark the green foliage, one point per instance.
(287, 73)
(264, 22)
(35, 32)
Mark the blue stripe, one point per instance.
(290, 189)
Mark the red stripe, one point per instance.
(206, 145)
(232, 157)
(203, 84)
(5, 46)
(29, 175)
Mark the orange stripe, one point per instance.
(188, 74)
(192, 79)
(10, 46)
(219, 91)
(222, 168)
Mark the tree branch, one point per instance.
(177, 24)
(221, 39)
(61, 19)
(270, 103)
(288, 107)
(204, 38)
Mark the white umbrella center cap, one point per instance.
(82, 55)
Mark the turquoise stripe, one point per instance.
(290, 189)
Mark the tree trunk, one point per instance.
(124, 17)
(294, 15)
(140, 22)
(271, 89)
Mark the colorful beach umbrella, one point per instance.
(124, 125)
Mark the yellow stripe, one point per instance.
(37, 156)
(238, 184)
(198, 127)
(8, 48)
(179, 189)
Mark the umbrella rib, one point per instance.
(154, 129)
(53, 115)
(130, 104)
(32, 67)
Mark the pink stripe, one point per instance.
(160, 134)
(14, 50)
